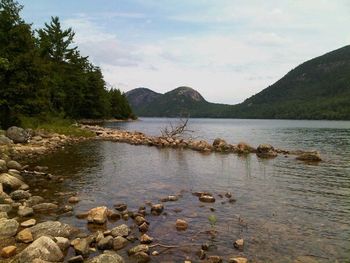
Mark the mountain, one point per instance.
(182, 101)
(141, 96)
(316, 89)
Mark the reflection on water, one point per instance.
(284, 208)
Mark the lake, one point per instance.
(285, 209)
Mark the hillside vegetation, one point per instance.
(43, 75)
(317, 89)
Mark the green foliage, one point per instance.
(44, 74)
(317, 89)
(55, 124)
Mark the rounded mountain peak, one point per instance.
(188, 92)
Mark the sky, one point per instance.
(228, 50)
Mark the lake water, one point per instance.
(285, 209)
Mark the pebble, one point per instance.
(28, 223)
(239, 244)
(181, 225)
(25, 236)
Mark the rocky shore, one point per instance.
(218, 145)
(25, 238)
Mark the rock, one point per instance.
(20, 194)
(54, 229)
(28, 223)
(5, 208)
(34, 200)
(24, 211)
(107, 257)
(181, 225)
(239, 244)
(81, 246)
(62, 242)
(138, 249)
(73, 199)
(141, 257)
(45, 207)
(25, 236)
(143, 227)
(14, 165)
(201, 254)
(8, 252)
(41, 169)
(120, 207)
(221, 145)
(119, 242)
(266, 151)
(43, 248)
(10, 182)
(105, 243)
(305, 259)
(5, 140)
(139, 220)
(157, 209)
(310, 157)
(17, 135)
(8, 228)
(214, 259)
(76, 259)
(3, 166)
(244, 148)
(97, 215)
(113, 215)
(121, 230)
(82, 215)
(145, 239)
(170, 198)
(238, 260)
(207, 199)
(3, 215)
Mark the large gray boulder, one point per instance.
(43, 248)
(107, 257)
(17, 135)
(54, 229)
(8, 228)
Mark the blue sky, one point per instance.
(228, 50)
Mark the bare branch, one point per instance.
(177, 130)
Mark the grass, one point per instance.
(55, 125)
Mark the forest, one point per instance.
(43, 75)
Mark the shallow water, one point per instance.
(284, 209)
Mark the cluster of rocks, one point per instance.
(219, 145)
(27, 143)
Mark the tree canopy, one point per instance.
(42, 73)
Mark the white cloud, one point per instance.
(248, 46)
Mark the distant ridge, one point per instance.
(316, 89)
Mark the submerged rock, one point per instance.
(239, 244)
(238, 260)
(181, 225)
(45, 207)
(119, 242)
(20, 194)
(138, 249)
(157, 209)
(14, 165)
(310, 157)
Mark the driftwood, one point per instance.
(177, 130)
